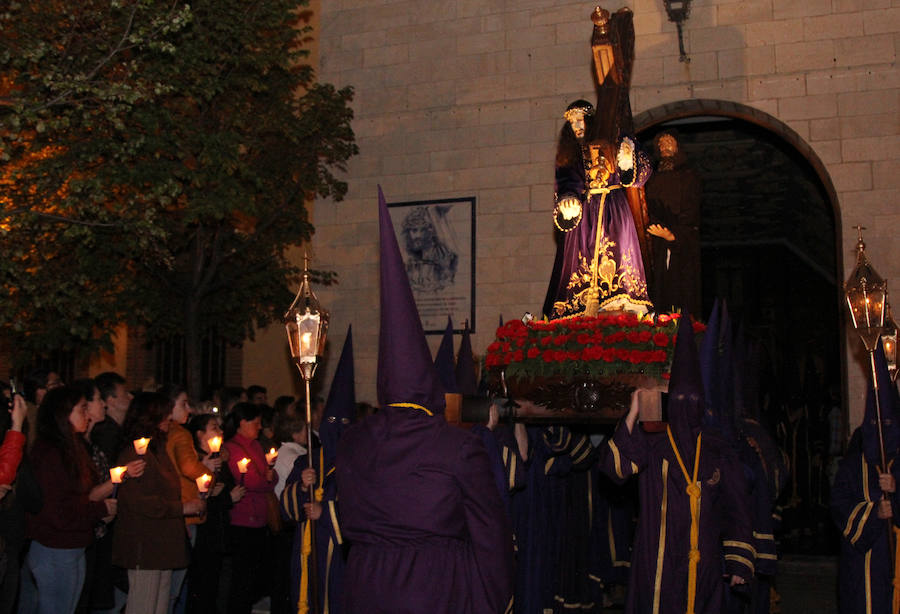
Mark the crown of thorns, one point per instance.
(582, 107)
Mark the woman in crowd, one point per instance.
(183, 453)
(64, 527)
(249, 516)
(18, 492)
(98, 593)
(211, 543)
(149, 537)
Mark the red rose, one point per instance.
(533, 352)
(548, 355)
(661, 339)
(494, 347)
(545, 341)
(699, 327)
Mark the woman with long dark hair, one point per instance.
(149, 538)
(249, 516)
(64, 527)
(211, 544)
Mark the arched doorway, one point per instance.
(770, 246)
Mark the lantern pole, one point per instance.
(307, 323)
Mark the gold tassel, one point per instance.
(693, 492)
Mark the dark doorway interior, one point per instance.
(768, 241)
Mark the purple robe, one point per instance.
(621, 274)
(659, 565)
(864, 572)
(427, 528)
(329, 543)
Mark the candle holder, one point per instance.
(306, 323)
(140, 445)
(242, 468)
(203, 483)
(116, 475)
(271, 455)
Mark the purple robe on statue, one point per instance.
(427, 529)
(621, 278)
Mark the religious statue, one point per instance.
(673, 198)
(599, 172)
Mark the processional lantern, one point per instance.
(678, 12)
(889, 343)
(306, 323)
(866, 293)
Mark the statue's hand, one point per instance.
(660, 231)
(625, 156)
(569, 208)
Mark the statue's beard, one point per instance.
(667, 164)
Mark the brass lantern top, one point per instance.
(306, 323)
(866, 293)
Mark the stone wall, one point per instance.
(464, 97)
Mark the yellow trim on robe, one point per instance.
(768, 557)
(549, 464)
(327, 573)
(617, 459)
(852, 517)
(661, 550)
(868, 581)
(763, 535)
(739, 544)
(334, 522)
(862, 523)
(740, 559)
(411, 406)
(634, 467)
(512, 472)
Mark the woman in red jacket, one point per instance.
(249, 535)
(65, 525)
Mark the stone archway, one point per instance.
(791, 294)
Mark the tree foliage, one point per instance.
(156, 158)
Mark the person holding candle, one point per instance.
(149, 536)
(249, 537)
(64, 527)
(99, 592)
(211, 545)
(180, 447)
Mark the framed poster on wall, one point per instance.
(437, 242)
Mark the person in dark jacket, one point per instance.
(149, 539)
(64, 527)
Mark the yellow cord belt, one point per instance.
(693, 492)
(306, 546)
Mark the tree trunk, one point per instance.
(193, 376)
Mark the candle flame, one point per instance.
(215, 443)
(203, 482)
(116, 473)
(140, 445)
(242, 464)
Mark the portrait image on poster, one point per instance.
(437, 242)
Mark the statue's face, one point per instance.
(419, 238)
(668, 146)
(576, 120)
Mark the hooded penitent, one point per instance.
(465, 366)
(685, 406)
(443, 360)
(341, 404)
(406, 374)
(890, 423)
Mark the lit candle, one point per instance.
(242, 467)
(203, 483)
(117, 473)
(140, 445)
(271, 455)
(215, 444)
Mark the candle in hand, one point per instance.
(242, 467)
(140, 445)
(203, 483)
(215, 444)
(116, 474)
(271, 455)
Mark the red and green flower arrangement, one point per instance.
(586, 347)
